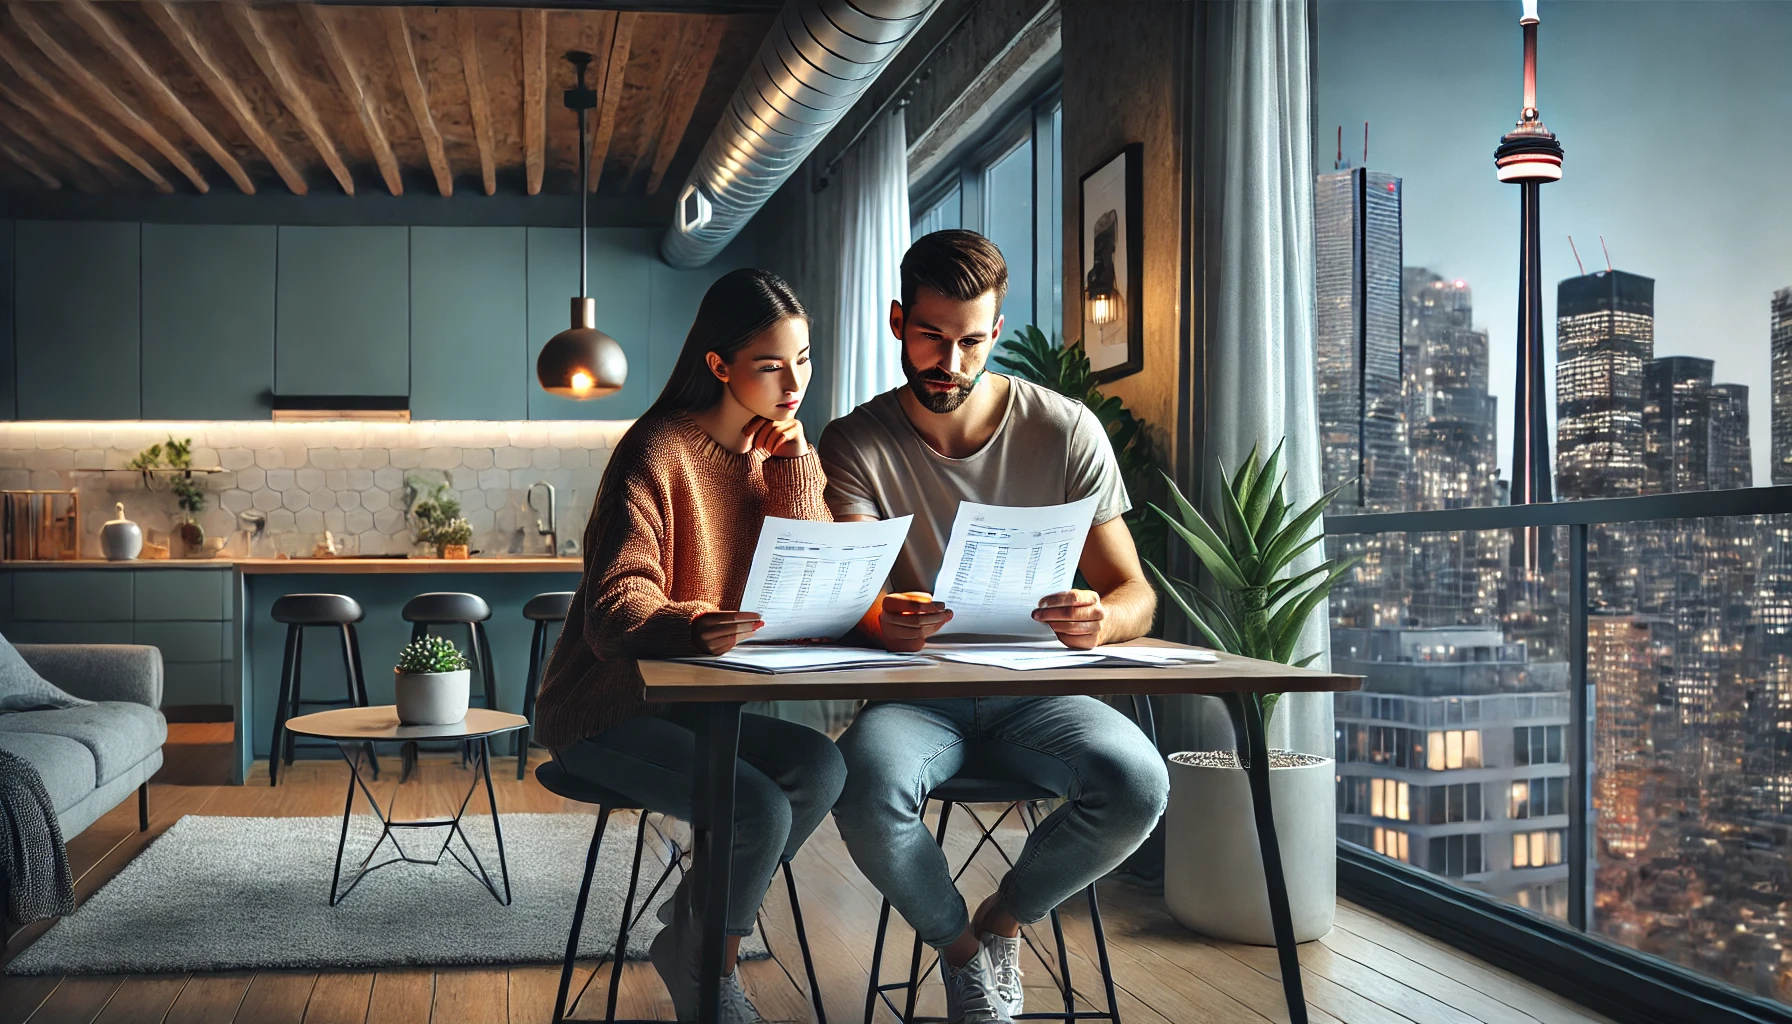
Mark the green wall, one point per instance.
(128, 320)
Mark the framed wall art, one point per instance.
(1112, 265)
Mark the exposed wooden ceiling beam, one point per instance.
(20, 65)
(22, 160)
(260, 43)
(199, 58)
(104, 31)
(615, 69)
(398, 38)
(535, 88)
(323, 28)
(684, 87)
(73, 141)
(467, 35)
(642, 6)
(108, 100)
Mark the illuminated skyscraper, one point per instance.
(1621, 664)
(1676, 425)
(1361, 422)
(1780, 334)
(1732, 456)
(1450, 415)
(1605, 333)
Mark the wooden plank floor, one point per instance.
(1368, 971)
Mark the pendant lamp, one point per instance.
(582, 362)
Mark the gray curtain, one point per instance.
(1257, 199)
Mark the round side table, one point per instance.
(355, 730)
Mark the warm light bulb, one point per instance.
(582, 381)
(1104, 307)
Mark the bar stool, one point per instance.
(300, 612)
(556, 781)
(1022, 797)
(542, 609)
(448, 608)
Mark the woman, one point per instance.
(666, 557)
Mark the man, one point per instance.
(959, 433)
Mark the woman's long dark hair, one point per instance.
(737, 307)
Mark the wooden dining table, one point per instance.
(723, 691)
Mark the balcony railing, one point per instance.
(1584, 581)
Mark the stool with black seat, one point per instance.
(450, 608)
(300, 612)
(1021, 798)
(544, 610)
(558, 782)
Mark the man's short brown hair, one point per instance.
(958, 264)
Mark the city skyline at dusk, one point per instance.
(1625, 86)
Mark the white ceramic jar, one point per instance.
(120, 539)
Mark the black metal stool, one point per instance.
(1021, 797)
(543, 610)
(557, 781)
(298, 612)
(448, 608)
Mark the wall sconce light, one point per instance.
(1102, 303)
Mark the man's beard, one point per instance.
(938, 401)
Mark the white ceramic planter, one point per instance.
(432, 698)
(1213, 870)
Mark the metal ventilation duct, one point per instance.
(816, 61)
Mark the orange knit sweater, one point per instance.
(671, 537)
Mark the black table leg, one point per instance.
(485, 768)
(712, 822)
(1254, 750)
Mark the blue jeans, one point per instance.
(786, 779)
(1113, 779)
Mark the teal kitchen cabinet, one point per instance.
(77, 322)
(208, 321)
(342, 319)
(9, 393)
(676, 296)
(186, 612)
(469, 323)
(621, 281)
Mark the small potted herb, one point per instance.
(438, 521)
(432, 680)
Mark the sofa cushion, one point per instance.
(118, 734)
(22, 689)
(65, 765)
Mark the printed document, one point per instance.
(776, 660)
(1027, 657)
(812, 581)
(1001, 560)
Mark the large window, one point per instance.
(1009, 187)
(1639, 661)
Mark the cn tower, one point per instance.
(1528, 156)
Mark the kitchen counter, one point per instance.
(305, 566)
(389, 566)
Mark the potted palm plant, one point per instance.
(1213, 871)
(432, 682)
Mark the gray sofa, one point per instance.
(91, 758)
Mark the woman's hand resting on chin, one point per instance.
(781, 439)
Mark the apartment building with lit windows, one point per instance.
(1453, 758)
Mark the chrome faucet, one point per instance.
(550, 527)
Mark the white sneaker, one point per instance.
(971, 997)
(735, 1007)
(1004, 960)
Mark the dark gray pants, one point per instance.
(787, 780)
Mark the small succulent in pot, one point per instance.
(431, 682)
(431, 654)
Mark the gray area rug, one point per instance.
(217, 894)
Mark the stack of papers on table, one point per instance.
(771, 660)
(1054, 655)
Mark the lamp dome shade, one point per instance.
(582, 362)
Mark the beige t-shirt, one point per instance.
(1048, 450)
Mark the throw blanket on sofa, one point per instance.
(35, 881)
